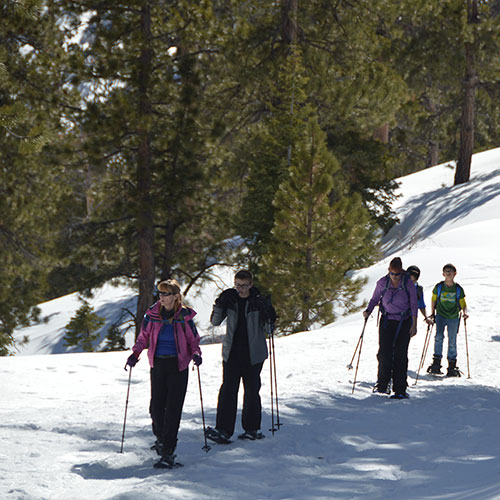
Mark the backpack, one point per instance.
(459, 293)
(420, 292)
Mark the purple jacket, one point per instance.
(394, 300)
(186, 336)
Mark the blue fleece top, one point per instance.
(165, 345)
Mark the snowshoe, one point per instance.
(435, 368)
(434, 371)
(453, 370)
(251, 435)
(400, 395)
(217, 436)
(167, 462)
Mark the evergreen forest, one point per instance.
(143, 140)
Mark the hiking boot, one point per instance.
(218, 435)
(157, 446)
(167, 461)
(453, 370)
(381, 388)
(436, 366)
(251, 435)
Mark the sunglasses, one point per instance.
(166, 294)
(395, 274)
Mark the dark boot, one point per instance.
(453, 370)
(157, 446)
(436, 366)
(217, 435)
(167, 460)
(382, 388)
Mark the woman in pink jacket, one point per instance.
(169, 333)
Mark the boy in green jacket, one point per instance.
(448, 299)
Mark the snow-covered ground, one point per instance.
(61, 415)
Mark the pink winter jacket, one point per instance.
(186, 337)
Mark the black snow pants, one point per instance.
(168, 390)
(233, 371)
(394, 338)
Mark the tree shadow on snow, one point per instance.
(451, 203)
(441, 443)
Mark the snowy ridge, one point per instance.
(61, 416)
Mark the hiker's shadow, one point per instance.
(102, 470)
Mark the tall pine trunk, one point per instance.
(289, 21)
(144, 214)
(433, 145)
(432, 154)
(462, 173)
(168, 252)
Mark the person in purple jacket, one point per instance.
(396, 296)
(169, 333)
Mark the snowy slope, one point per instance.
(114, 303)
(61, 416)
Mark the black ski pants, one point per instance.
(232, 372)
(168, 390)
(394, 338)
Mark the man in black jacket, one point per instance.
(244, 349)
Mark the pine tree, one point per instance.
(149, 186)
(351, 84)
(430, 50)
(320, 233)
(268, 153)
(115, 340)
(34, 101)
(82, 330)
(481, 45)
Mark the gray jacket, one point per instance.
(257, 315)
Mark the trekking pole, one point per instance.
(278, 423)
(467, 348)
(126, 407)
(206, 447)
(424, 350)
(359, 355)
(349, 366)
(272, 429)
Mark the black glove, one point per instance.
(269, 312)
(197, 359)
(131, 361)
(226, 298)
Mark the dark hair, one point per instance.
(243, 275)
(413, 271)
(451, 267)
(396, 264)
